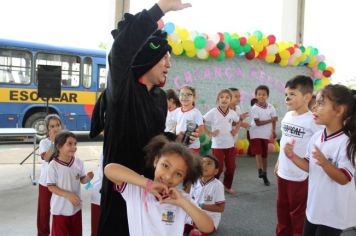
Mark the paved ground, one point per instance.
(251, 212)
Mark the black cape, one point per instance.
(133, 115)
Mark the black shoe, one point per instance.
(265, 179)
(260, 173)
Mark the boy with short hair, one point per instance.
(263, 128)
(208, 192)
(297, 126)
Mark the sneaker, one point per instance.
(260, 173)
(265, 179)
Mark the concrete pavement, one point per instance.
(250, 213)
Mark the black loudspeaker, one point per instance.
(49, 81)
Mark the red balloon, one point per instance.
(243, 41)
(215, 52)
(271, 38)
(278, 58)
(221, 36)
(262, 54)
(327, 73)
(291, 50)
(251, 54)
(240, 151)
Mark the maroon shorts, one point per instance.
(259, 146)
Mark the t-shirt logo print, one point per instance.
(168, 216)
(77, 176)
(292, 130)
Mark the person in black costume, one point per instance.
(133, 108)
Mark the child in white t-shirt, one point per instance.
(46, 147)
(188, 114)
(263, 129)
(223, 122)
(208, 193)
(330, 162)
(158, 207)
(297, 125)
(173, 103)
(64, 176)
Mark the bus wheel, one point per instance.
(37, 122)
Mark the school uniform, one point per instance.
(44, 195)
(95, 198)
(170, 123)
(210, 192)
(67, 218)
(190, 116)
(293, 181)
(223, 146)
(260, 135)
(329, 203)
(156, 219)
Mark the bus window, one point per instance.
(87, 71)
(15, 66)
(102, 78)
(70, 67)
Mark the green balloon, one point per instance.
(317, 82)
(302, 48)
(227, 37)
(321, 66)
(221, 56)
(238, 50)
(234, 43)
(221, 45)
(200, 42)
(258, 34)
(246, 48)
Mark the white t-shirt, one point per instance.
(65, 176)
(183, 117)
(158, 219)
(299, 128)
(95, 194)
(330, 203)
(261, 113)
(221, 121)
(170, 122)
(44, 145)
(211, 192)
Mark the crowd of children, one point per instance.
(315, 167)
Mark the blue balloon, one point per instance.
(169, 27)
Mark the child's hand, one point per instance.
(288, 149)
(234, 131)
(273, 135)
(159, 190)
(244, 116)
(174, 197)
(215, 133)
(74, 199)
(52, 134)
(90, 175)
(319, 157)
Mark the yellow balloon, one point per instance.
(252, 40)
(177, 49)
(270, 58)
(191, 53)
(283, 62)
(258, 47)
(284, 54)
(188, 45)
(184, 34)
(265, 42)
(325, 81)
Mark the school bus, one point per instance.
(83, 77)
